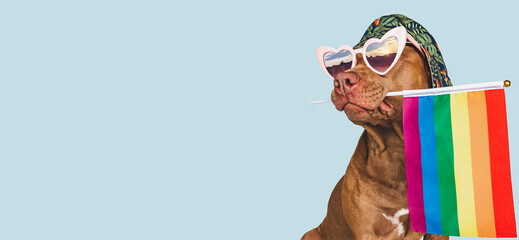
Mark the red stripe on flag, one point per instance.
(500, 164)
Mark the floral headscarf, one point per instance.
(383, 24)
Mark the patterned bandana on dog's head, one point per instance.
(380, 26)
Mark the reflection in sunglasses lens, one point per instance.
(338, 62)
(381, 55)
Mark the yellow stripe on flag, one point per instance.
(463, 165)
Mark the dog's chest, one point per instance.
(397, 220)
(387, 225)
(379, 222)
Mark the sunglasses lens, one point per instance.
(338, 62)
(381, 55)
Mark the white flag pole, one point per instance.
(442, 90)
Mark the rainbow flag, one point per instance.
(457, 161)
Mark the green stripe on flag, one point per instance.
(445, 158)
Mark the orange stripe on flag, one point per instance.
(481, 164)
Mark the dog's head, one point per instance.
(361, 93)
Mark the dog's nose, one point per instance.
(345, 80)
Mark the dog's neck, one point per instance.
(384, 154)
(386, 135)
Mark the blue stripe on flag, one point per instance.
(431, 191)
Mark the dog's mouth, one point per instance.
(361, 111)
(365, 103)
(384, 106)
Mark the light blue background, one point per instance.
(190, 119)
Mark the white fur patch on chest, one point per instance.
(395, 219)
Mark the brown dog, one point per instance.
(370, 202)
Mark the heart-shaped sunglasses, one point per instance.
(380, 55)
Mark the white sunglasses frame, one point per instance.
(399, 32)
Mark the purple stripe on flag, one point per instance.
(413, 165)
